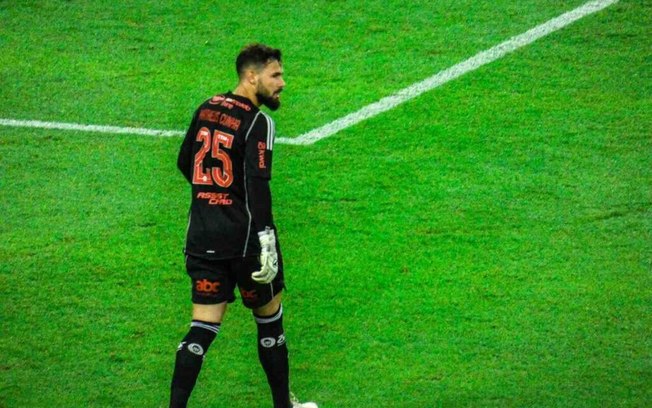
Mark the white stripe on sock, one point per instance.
(270, 319)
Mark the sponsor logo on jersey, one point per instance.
(216, 99)
(215, 198)
(237, 103)
(207, 288)
(228, 103)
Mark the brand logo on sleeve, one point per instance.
(261, 155)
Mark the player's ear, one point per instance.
(251, 77)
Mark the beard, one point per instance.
(268, 100)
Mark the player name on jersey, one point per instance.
(220, 117)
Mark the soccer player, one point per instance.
(231, 241)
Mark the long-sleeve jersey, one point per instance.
(226, 156)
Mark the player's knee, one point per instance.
(269, 309)
(209, 313)
(196, 343)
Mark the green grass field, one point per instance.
(488, 244)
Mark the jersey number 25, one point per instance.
(222, 177)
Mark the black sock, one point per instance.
(273, 354)
(190, 356)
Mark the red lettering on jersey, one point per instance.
(209, 115)
(229, 121)
(215, 198)
(261, 155)
(239, 104)
(228, 102)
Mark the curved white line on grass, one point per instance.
(453, 72)
(376, 108)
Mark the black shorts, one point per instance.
(214, 281)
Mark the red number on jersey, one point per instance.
(222, 177)
(199, 176)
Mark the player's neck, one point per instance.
(244, 91)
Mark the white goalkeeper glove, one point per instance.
(268, 257)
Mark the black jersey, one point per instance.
(227, 158)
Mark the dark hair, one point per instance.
(256, 54)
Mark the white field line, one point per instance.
(101, 129)
(384, 104)
(89, 128)
(473, 63)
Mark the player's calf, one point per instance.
(273, 355)
(190, 356)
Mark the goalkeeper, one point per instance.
(231, 240)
